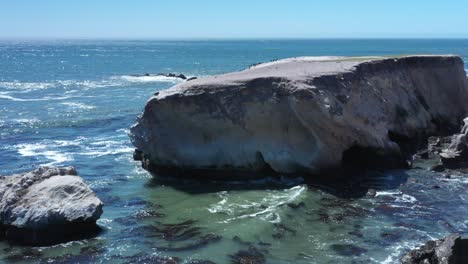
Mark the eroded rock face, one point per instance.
(449, 250)
(456, 154)
(302, 115)
(47, 205)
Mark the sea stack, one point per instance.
(47, 206)
(304, 115)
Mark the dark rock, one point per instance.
(296, 206)
(250, 256)
(191, 78)
(348, 249)
(438, 168)
(173, 75)
(138, 154)
(450, 250)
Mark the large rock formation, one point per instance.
(449, 250)
(302, 115)
(47, 205)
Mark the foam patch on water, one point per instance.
(106, 147)
(265, 208)
(38, 149)
(75, 105)
(147, 79)
(47, 98)
(113, 81)
(58, 152)
(26, 85)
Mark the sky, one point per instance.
(219, 19)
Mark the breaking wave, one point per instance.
(58, 152)
(148, 79)
(75, 105)
(47, 98)
(114, 81)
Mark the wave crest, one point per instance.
(113, 81)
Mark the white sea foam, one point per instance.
(38, 149)
(148, 79)
(113, 81)
(106, 147)
(47, 98)
(75, 105)
(399, 196)
(266, 208)
(26, 85)
(60, 151)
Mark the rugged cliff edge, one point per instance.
(303, 115)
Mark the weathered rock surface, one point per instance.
(456, 154)
(303, 115)
(47, 205)
(449, 250)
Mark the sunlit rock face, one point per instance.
(302, 115)
(46, 206)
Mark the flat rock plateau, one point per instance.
(306, 115)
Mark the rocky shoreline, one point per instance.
(307, 116)
(452, 249)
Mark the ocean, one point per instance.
(65, 102)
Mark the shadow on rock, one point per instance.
(353, 184)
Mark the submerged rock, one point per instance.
(449, 250)
(47, 205)
(250, 256)
(173, 75)
(302, 115)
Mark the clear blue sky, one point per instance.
(233, 19)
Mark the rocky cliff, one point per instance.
(302, 115)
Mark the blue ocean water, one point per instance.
(72, 103)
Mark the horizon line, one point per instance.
(219, 38)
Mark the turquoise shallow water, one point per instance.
(72, 102)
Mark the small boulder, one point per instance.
(47, 206)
